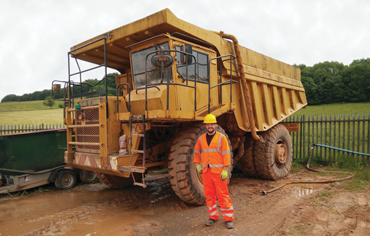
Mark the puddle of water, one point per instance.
(97, 211)
(88, 210)
(301, 190)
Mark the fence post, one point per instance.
(321, 117)
(368, 135)
(358, 135)
(334, 135)
(325, 132)
(339, 122)
(353, 133)
(304, 136)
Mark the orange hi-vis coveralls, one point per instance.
(213, 159)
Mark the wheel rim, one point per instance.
(281, 153)
(67, 180)
(90, 175)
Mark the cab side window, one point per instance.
(198, 69)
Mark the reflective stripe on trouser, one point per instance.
(214, 186)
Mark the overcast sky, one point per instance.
(35, 36)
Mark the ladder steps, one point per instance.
(138, 151)
(136, 169)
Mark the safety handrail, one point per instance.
(230, 81)
(105, 91)
(129, 96)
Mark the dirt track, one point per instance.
(96, 210)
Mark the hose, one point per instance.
(313, 182)
(31, 172)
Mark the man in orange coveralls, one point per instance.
(212, 156)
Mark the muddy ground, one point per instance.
(95, 209)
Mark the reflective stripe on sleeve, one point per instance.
(200, 140)
(226, 152)
(196, 151)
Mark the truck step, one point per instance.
(138, 151)
(137, 117)
(136, 169)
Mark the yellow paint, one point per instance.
(274, 87)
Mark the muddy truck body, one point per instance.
(171, 75)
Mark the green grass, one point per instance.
(49, 116)
(30, 112)
(26, 106)
(334, 109)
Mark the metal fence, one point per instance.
(350, 132)
(12, 129)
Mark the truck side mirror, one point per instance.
(189, 49)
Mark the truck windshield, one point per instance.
(153, 73)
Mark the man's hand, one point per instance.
(224, 175)
(199, 169)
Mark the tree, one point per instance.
(48, 102)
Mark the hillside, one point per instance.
(34, 112)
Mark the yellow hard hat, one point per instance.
(210, 119)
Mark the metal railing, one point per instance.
(230, 81)
(348, 132)
(14, 129)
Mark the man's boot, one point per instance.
(229, 224)
(209, 222)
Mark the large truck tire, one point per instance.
(273, 159)
(113, 181)
(247, 163)
(184, 178)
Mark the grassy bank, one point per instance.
(26, 106)
(34, 112)
(335, 109)
(49, 116)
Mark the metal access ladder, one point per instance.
(136, 169)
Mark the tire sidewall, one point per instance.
(284, 171)
(194, 180)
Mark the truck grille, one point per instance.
(88, 134)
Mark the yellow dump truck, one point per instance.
(171, 75)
